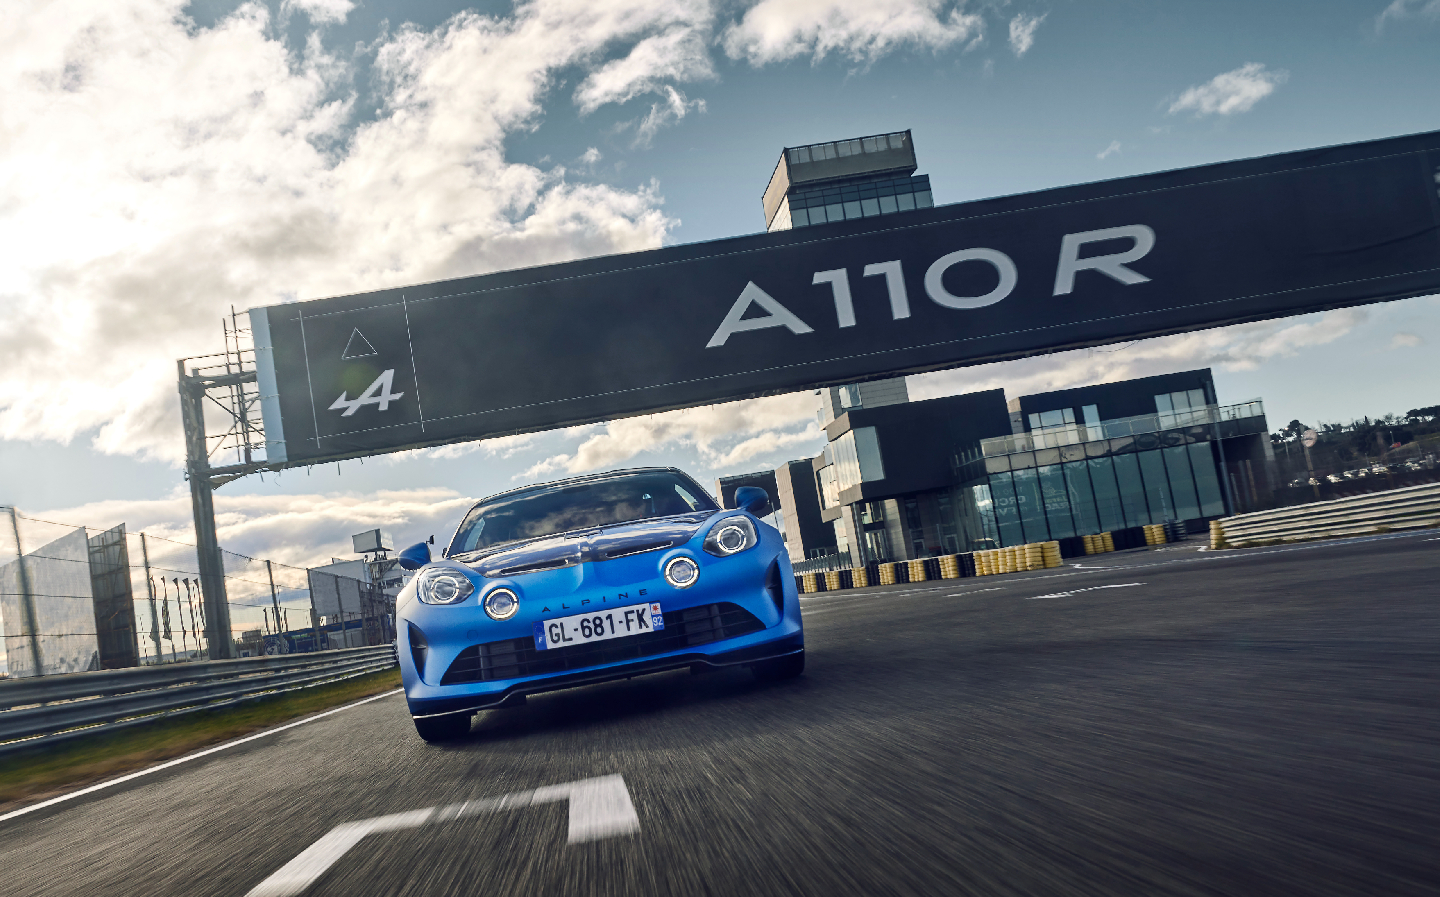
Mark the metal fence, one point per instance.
(39, 711)
(74, 599)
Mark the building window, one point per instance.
(917, 531)
(849, 396)
(1132, 490)
(857, 458)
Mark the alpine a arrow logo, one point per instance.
(378, 393)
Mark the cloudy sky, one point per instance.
(161, 162)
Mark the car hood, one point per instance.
(601, 544)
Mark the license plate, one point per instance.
(598, 626)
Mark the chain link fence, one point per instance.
(74, 599)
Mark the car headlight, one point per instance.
(501, 603)
(682, 572)
(730, 536)
(442, 585)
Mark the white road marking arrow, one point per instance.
(599, 808)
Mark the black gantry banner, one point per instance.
(604, 338)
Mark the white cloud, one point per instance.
(1022, 32)
(319, 11)
(1238, 347)
(724, 436)
(1231, 92)
(154, 173)
(1408, 9)
(298, 530)
(1110, 150)
(860, 30)
(1406, 340)
(672, 107)
(680, 53)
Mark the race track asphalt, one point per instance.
(1255, 722)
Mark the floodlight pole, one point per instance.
(202, 503)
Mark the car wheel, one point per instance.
(443, 728)
(778, 668)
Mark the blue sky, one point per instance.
(180, 159)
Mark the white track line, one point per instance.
(599, 808)
(188, 757)
(1123, 585)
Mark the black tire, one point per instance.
(779, 668)
(443, 728)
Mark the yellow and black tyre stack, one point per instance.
(917, 571)
(1217, 535)
(1155, 534)
(860, 577)
(950, 566)
(1031, 556)
(1107, 541)
(807, 582)
(1052, 554)
(832, 580)
(887, 574)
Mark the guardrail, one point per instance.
(43, 710)
(1410, 508)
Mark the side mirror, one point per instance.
(752, 499)
(414, 557)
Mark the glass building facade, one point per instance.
(1069, 479)
(845, 201)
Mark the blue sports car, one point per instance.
(590, 579)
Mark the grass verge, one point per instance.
(51, 770)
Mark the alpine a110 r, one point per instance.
(591, 579)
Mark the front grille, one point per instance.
(514, 658)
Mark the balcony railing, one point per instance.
(1076, 434)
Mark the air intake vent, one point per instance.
(628, 550)
(419, 647)
(536, 567)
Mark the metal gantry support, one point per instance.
(228, 375)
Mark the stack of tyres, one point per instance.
(887, 574)
(1034, 556)
(1176, 531)
(847, 579)
(950, 566)
(917, 571)
(832, 580)
(859, 577)
(1052, 554)
(1107, 542)
(807, 582)
(1217, 535)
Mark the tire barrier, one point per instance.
(1018, 558)
(1012, 559)
(1414, 507)
(1155, 534)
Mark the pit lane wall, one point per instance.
(1401, 509)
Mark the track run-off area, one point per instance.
(1168, 721)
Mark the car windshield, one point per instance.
(563, 508)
